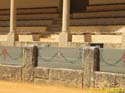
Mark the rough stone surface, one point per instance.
(10, 73)
(109, 80)
(67, 77)
(29, 64)
(90, 66)
(120, 81)
(42, 73)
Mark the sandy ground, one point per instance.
(9, 87)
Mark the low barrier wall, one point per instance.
(72, 67)
(109, 80)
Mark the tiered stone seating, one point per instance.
(39, 10)
(100, 2)
(102, 20)
(97, 22)
(31, 17)
(29, 20)
(27, 23)
(103, 29)
(103, 14)
(24, 30)
(106, 7)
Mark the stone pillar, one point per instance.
(65, 37)
(90, 64)
(29, 62)
(12, 37)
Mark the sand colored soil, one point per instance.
(9, 87)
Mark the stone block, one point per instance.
(42, 73)
(10, 73)
(104, 80)
(67, 77)
(120, 81)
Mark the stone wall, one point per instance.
(87, 77)
(109, 80)
(10, 73)
(30, 71)
(63, 77)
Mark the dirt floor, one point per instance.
(9, 87)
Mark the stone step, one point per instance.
(28, 23)
(98, 21)
(54, 29)
(99, 2)
(31, 17)
(106, 7)
(31, 10)
(106, 14)
(57, 22)
(55, 26)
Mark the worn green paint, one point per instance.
(112, 60)
(11, 55)
(70, 58)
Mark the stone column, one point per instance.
(90, 64)
(29, 62)
(64, 37)
(12, 37)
